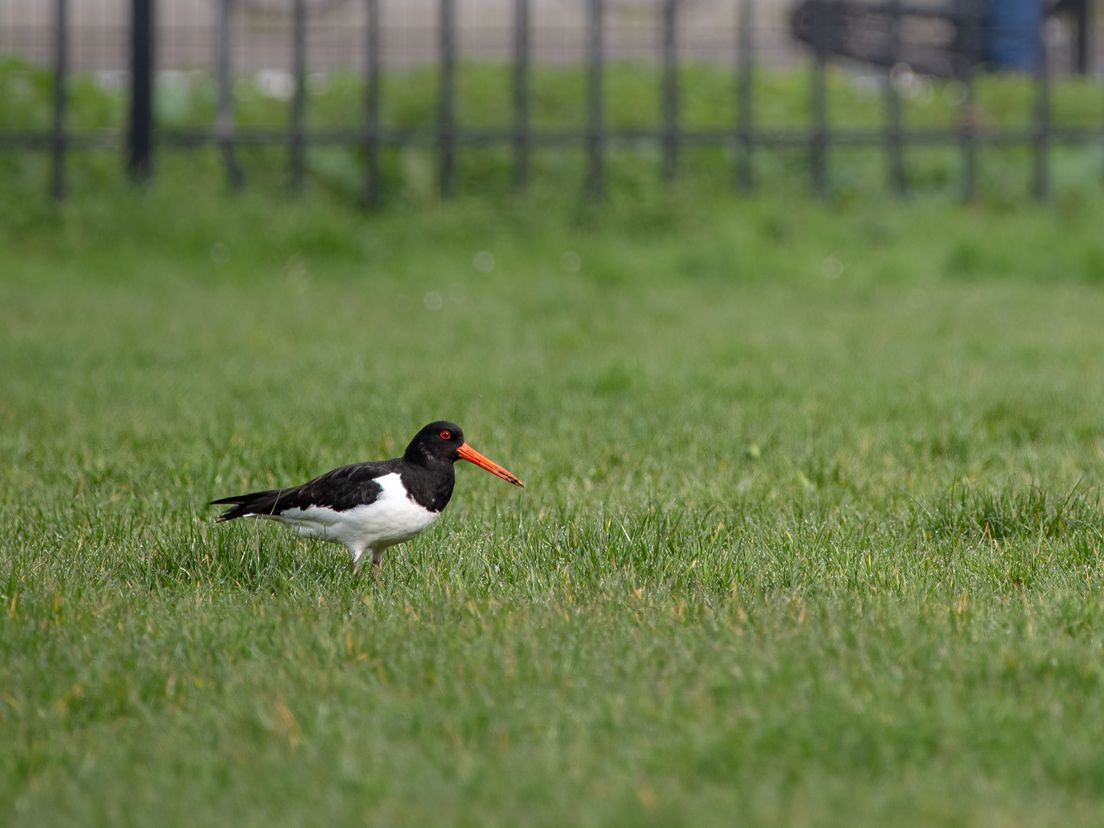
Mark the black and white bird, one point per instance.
(369, 507)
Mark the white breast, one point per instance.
(392, 518)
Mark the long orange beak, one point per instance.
(466, 452)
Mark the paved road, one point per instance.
(707, 31)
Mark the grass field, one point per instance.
(812, 535)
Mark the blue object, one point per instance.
(1011, 36)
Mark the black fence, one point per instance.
(955, 38)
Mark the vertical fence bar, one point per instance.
(140, 136)
(372, 188)
(1040, 185)
(818, 136)
(595, 140)
(446, 101)
(895, 157)
(297, 136)
(61, 71)
(224, 117)
(745, 65)
(967, 132)
(670, 91)
(521, 94)
(1082, 34)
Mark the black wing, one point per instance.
(340, 489)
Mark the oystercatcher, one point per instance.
(371, 506)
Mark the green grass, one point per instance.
(812, 534)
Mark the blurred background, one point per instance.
(666, 77)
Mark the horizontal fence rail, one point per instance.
(823, 25)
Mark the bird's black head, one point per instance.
(438, 441)
(443, 442)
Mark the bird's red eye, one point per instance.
(446, 435)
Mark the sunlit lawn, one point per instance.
(812, 533)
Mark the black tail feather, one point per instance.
(254, 503)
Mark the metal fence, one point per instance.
(371, 37)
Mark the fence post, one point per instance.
(372, 104)
(745, 66)
(297, 137)
(1083, 30)
(670, 90)
(446, 114)
(61, 69)
(595, 183)
(895, 157)
(140, 137)
(224, 119)
(967, 129)
(1040, 185)
(521, 94)
(818, 137)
